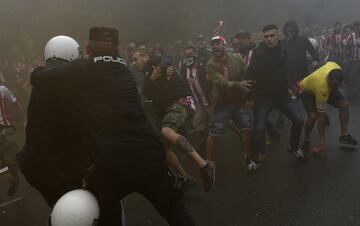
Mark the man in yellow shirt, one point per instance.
(316, 91)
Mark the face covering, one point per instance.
(189, 61)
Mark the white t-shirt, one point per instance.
(5, 96)
(314, 43)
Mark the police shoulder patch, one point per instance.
(109, 59)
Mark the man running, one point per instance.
(194, 72)
(174, 105)
(268, 70)
(226, 72)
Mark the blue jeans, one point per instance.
(262, 108)
(222, 114)
(271, 130)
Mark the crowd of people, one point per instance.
(130, 112)
(14, 74)
(208, 66)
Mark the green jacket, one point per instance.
(220, 85)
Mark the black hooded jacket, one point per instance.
(296, 49)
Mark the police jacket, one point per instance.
(101, 96)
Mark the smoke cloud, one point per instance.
(26, 25)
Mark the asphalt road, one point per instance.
(326, 191)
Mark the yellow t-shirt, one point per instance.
(317, 84)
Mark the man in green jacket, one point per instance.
(226, 72)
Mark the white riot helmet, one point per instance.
(62, 47)
(75, 208)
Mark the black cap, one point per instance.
(104, 34)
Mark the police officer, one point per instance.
(53, 160)
(104, 106)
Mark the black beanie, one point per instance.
(104, 34)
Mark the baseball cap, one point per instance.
(218, 37)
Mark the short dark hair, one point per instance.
(337, 75)
(242, 35)
(142, 53)
(190, 47)
(291, 24)
(270, 27)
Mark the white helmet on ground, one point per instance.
(75, 208)
(62, 47)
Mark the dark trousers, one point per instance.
(271, 130)
(354, 79)
(158, 188)
(286, 106)
(109, 189)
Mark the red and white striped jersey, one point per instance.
(321, 42)
(5, 97)
(351, 43)
(334, 42)
(200, 95)
(354, 42)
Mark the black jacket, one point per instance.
(53, 152)
(297, 63)
(104, 106)
(268, 69)
(163, 91)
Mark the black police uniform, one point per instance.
(104, 108)
(53, 158)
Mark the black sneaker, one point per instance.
(305, 146)
(184, 184)
(347, 139)
(299, 154)
(252, 167)
(208, 175)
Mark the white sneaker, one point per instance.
(252, 167)
(299, 154)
